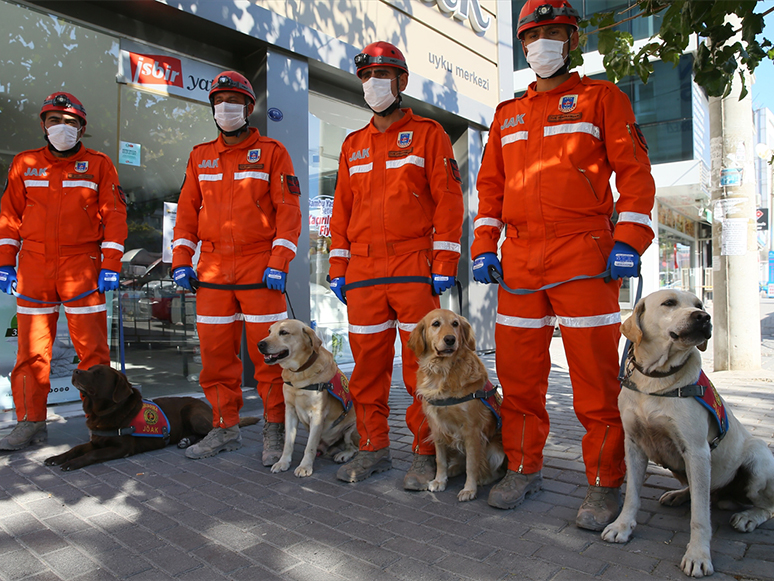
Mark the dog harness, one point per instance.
(150, 422)
(489, 396)
(338, 387)
(702, 390)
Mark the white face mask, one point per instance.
(230, 116)
(378, 93)
(62, 136)
(545, 56)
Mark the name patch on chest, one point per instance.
(73, 176)
(566, 117)
(402, 153)
(250, 166)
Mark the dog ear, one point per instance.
(417, 342)
(467, 335)
(122, 389)
(313, 338)
(631, 328)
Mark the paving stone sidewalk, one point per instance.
(161, 516)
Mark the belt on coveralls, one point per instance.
(197, 284)
(399, 280)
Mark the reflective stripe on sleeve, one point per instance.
(524, 323)
(362, 168)
(511, 137)
(635, 217)
(488, 222)
(451, 246)
(285, 243)
(10, 242)
(592, 321)
(113, 245)
(80, 184)
(409, 159)
(254, 175)
(565, 128)
(183, 242)
(340, 253)
(85, 310)
(372, 329)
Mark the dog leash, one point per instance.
(121, 352)
(497, 277)
(628, 344)
(197, 284)
(400, 280)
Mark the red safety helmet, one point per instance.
(232, 81)
(64, 102)
(380, 54)
(541, 12)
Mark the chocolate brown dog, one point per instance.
(122, 424)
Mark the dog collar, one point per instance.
(309, 362)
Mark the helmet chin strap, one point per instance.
(68, 152)
(562, 70)
(395, 105)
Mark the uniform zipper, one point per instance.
(523, 432)
(588, 181)
(599, 462)
(282, 188)
(631, 136)
(419, 431)
(24, 397)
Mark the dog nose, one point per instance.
(701, 317)
(261, 346)
(449, 340)
(76, 371)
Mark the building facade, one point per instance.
(143, 71)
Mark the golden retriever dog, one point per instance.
(667, 329)
(462, 426)
(117, 416)
(308, 370)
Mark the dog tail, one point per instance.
(248, 421)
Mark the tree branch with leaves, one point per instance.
(717, 60)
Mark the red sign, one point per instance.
(148, 69)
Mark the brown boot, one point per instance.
(422, 471)
(600, 507)
(273, 442)
(511, 491)
(364, 464)
(25, 434)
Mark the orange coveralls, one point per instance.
(242, 203)
(398, 211)
(545, 177)
(68, 216)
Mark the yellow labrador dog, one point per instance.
(460, 403)
(677, 431)
(316, 394)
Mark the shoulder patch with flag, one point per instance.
(455, 170)
(293, 186)
(640, 137)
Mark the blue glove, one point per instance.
(623, 261)
(108, 280)
(7, 279)
(441, 283)
(183, 276)
(274, 279)
(481, 266)
(337, 286)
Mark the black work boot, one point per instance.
(364, 464)
(422, 471)
(511, 491)
(600, 507)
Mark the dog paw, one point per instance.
(748, 520)
(618, 532)
(436, 485)
(280, 466)
(345, 456)
(53, 461)
(466, 494)
(303, 471)
(184, 443)
(697, 562)
(675, 497)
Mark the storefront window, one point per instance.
(156, 135)
(676, 242)
(330, 122)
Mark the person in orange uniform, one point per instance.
(64, 213)
(240, 199)
(544, 178)
(398, 211)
